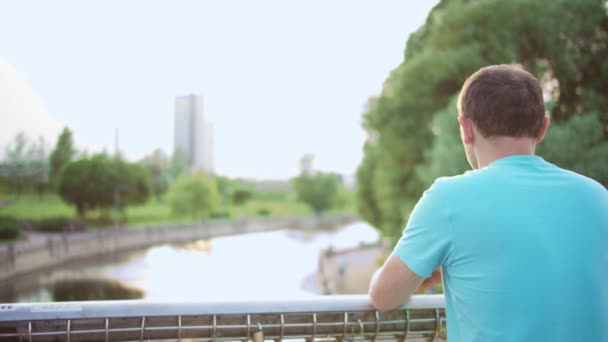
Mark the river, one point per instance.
(268, 265)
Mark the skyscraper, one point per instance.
(193, 135)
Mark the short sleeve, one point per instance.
(426, 242)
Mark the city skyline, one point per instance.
(279, 80)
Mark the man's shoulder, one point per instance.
(454, 183)
(583, 180)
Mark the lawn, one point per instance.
(28, 206)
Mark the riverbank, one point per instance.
(55, 249)
(349, 271)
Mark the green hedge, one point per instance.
(264, 212)
(9, 228)
(53, 224)
(219, 214)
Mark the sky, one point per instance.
(279, 78)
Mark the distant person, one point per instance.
(522, 244)
(341, 271)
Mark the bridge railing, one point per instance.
(337, 318)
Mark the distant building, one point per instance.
(306, 164)
(193, 135)
(268, 184)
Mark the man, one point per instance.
(522, 244)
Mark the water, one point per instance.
(269, 265)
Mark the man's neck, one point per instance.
(497, 148)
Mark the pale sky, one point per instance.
(279, 78)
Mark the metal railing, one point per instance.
(337, 318)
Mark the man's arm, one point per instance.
(392, 284)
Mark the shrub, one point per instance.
(264, 212)
(9, 228)
(193, 195)
(53, 224)
(220, 214)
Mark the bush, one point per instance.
(193, 195)
(264, 212)
(318, 191)
(219, 214)
(9, 228)
(241, 196)
(52, 224)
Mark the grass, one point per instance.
(29, 207)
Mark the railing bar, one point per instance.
(437, 325)
(377, 316)
(345, 325)
(69, 327)
(107, 329)
(423, 320)
(29, 330)
(143, 326)
(248, 327)
(214, 327)
(51, 333)
(407, 324)
(282, 327)
(314, 326)
(179, 328)
(361, 330)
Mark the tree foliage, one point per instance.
(319, 191)
(62, 154)
(193, 195)
(241, 195)
(25, 164)
(91, 183)
(412, 126)
(159, 167)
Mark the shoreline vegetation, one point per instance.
(52, 215)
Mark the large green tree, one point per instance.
(412, 122)
(95, 182)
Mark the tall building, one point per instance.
(193, 134)
(306, 164)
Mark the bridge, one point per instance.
(335, 318)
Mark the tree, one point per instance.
(38, 162)
(564, 145)
(366, 194)
(91, 183)
(15, 163)
(413, 119)
(319, 190)
(179, 163)
(193, 195)
(241, 195)
(62, 153)
(158, 166)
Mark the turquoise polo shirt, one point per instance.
(523, 247)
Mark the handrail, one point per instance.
(336, 317)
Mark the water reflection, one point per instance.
(93, 289)
(269, 265)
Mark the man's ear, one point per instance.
(466, 130)
(543, 129)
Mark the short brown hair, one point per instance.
(503, 100)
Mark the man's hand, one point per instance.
(431, 281)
